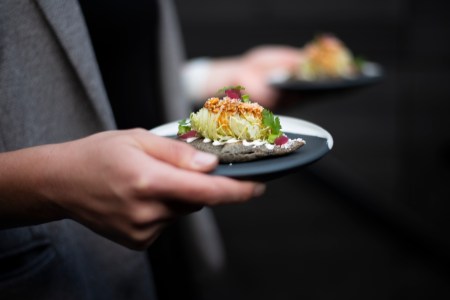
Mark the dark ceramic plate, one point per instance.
(318, 143)
(371, 73)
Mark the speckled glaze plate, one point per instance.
(370, 73)
(318, 143)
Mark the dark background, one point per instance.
(371, 220)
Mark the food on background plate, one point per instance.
(236, 129)
(327, 57)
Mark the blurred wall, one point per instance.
(218, 28)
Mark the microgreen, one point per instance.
(234, 92)
(184, 126)
(246, 98)
(359, 62)
(236, 88)
(273, 123)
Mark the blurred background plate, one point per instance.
(370, 73)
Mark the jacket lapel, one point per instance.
(171, 62)
(66, 20)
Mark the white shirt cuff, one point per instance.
(195, 75)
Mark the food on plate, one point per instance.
(327, 57)
(236, 129)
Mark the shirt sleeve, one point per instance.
(194, 75)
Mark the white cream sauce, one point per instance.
(255, 143)
(191, 139)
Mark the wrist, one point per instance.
(202, 77)
(195, 76)
(23, 188)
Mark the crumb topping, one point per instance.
(233, 106)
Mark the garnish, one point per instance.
(184, 126)
(246, 98)
(281, 140)
(359, 62)
(234, 92)
(269, 120)
(189, 134)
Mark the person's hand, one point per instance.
(253, 70)
(127, 185)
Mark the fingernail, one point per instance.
(259, 190)
(203, 159)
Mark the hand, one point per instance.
(127, 185)
(253, 69)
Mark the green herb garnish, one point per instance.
(184, 126)
(359, 62)
(236, 88)
(246, 98)
(269, 120)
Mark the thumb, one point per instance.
(176, 153)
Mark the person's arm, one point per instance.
(125, 185)
(253, 69)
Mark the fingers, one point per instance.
(176, 153)
(139, 239)
(260, 91)
(142, 223)
(199, 188)
(152, 211)
(167, 173)
(269, 57)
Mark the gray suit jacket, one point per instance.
(51, 91)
